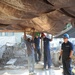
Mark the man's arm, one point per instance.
(61, 52)
(34, 45)
(71, 53)
(50, 39)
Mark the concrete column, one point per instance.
(33, 33)
(42, 49)
(24, 35)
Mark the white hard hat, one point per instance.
(29, 36)
(45, 34)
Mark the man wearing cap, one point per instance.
(66, 53)
(37, 48)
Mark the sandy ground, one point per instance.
(25, 72)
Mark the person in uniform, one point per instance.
(37, 48)
(47, 56)
(66, 53)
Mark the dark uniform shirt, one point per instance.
(37, 42)
(46, 43)
(66, 47)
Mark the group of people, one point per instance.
(34, 52)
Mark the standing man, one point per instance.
(30, 52)
(47, 56)
(66, 53)
(37, 48)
